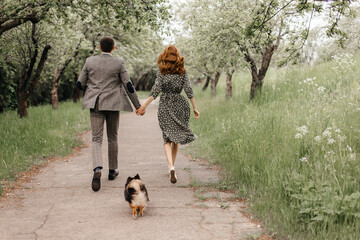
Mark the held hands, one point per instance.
(197, 113)
(140, 111)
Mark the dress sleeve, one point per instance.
(156, 89)
(187, 87)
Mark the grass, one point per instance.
(143, 94)
(294, 151)
(46, 132)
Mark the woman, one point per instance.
(174, 109)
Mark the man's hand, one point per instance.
(140, 111)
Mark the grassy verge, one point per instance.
(294, 151)
(46, 132)
(143, 94)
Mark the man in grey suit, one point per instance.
(107, 86)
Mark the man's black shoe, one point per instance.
(95, 184)
(113, 174)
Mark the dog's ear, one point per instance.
(137, 176)
(128, 180)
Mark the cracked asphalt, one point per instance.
(58, 202)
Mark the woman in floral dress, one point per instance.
(174, 109)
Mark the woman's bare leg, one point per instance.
(167, 149)
(174, 150)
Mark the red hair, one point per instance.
(170, 61)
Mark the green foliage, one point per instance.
(7, 87)
(221, 32)
(65, 24)
(294, 151)
(45, 133)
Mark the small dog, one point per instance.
(136, 194)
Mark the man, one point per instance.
(107, 84)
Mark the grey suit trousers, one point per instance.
(97, 119)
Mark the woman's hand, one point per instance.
(197, 113)
(140, 111)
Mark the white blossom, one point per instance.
(317, 138)
(298, 135)
(326, 133)
(331, 152)
(321, 89)
(303, 129)
(331, 141)
(303, 159)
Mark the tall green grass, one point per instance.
(46, 132)
(295, 150)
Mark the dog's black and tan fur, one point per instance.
(136, 194)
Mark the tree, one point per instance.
(79, 18)
(15, 13)
(28, 58)
(59, 69)
(252, 31)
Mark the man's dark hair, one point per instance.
(107, 43)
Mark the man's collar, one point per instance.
(107, 53)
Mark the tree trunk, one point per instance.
(198, 81)
(54, 89)
(28, 81)
(229, 84)
(214, 82)
(22, 103)
(76, 96)
(57, 74)
(208, 78)
(258, 77)
(255, 85)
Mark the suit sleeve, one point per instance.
(81, 83)
(129, 87)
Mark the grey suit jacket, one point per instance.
(105, 78)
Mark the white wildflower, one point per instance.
(349, 148)
(303, 130)
(326, 133)
(317, 138)
(331, 152)
(298, 135)
(304, 159)
(321, 89)
(331, 141)
(338, 130)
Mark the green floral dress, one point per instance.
(174, 109)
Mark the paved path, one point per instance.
(58, 203)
